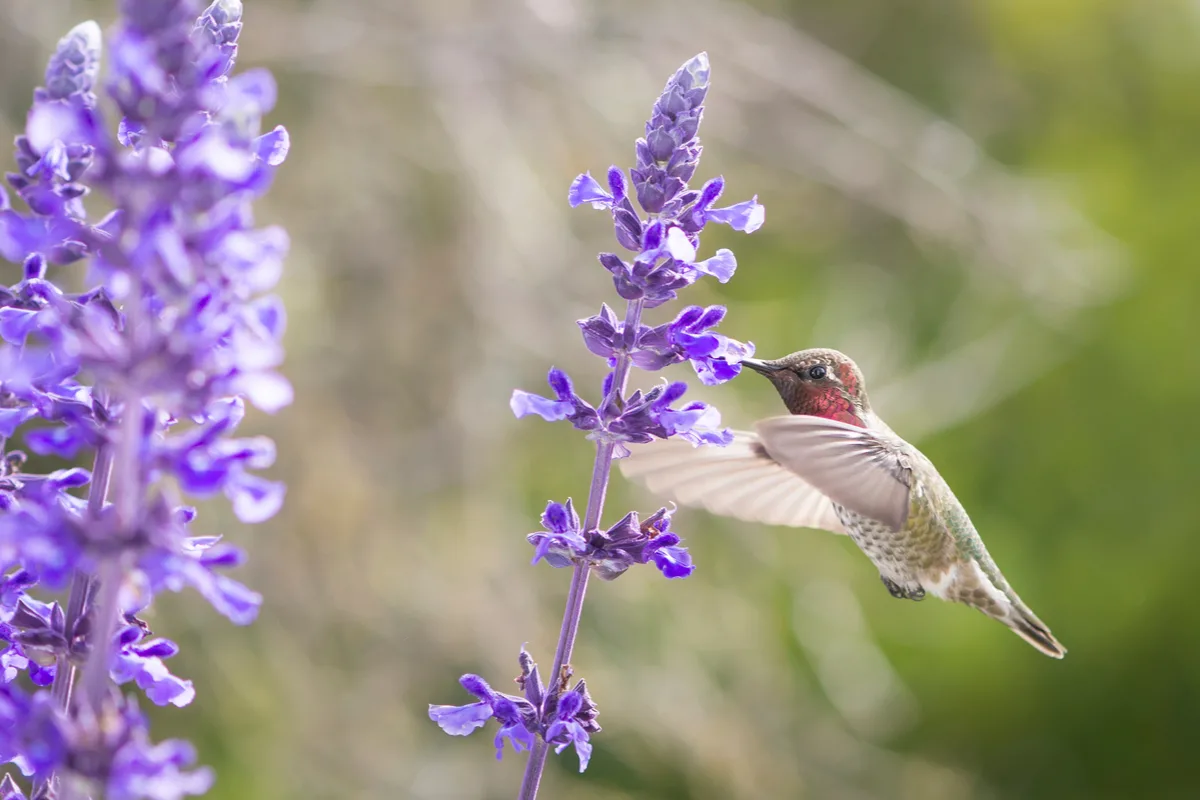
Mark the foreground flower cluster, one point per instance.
(663, 260)
(145, 375)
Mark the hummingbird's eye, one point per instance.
(817, 373)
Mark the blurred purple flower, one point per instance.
(140, 659)
(175, 334)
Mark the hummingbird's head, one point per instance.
(818, 382)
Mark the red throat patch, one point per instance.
(832, 403)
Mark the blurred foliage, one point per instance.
(435, 267)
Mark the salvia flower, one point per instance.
(657, 218)
(689, 337)
(569, 720)
(613, 551)
(641, 418)
(148, 371)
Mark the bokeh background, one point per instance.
(992, 206)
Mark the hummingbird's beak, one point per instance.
(761, 367)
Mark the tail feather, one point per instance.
(1033, 630)
(975, 588)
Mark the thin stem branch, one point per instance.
(128, 497)
(64, 674)
(81, 584)
(601, 471)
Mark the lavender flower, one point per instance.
(148, 369)
(665, 245)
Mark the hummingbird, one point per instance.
(833, 464)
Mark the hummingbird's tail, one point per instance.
(983, 587)
(1026, 625)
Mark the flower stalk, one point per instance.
(664, 244)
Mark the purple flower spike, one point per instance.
(145, 375)
(658, 219)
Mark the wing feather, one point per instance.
(741, 481)
(852, 466)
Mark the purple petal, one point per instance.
(39, 675)
(252, 93)
(270, 312)
(266, 391)
(460, 720)
(67, 122)
(652, 238)
(674, 562)
(35, 266)
(516, 733)
(63, 441)
(477, 686)
(524, 403)
(747, 216)
(273, 147)
(559, 518)
(713, 372)
(254, 499)
(13, 418)
(673, 392)
(583, 749)
(698, 346)
(696, 423)
(711, 318)
(709, 194)
(162, 687)
(585, 189)
(568, 706)
(616, 183)
(16, 324)
(560, 383)
(158, 648)
(237, 603)
(720, 266)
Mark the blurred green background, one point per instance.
(992, 206)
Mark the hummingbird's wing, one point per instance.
(855, 467)
(740, 480)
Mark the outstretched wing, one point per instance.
(741, 480)
(852, 466)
